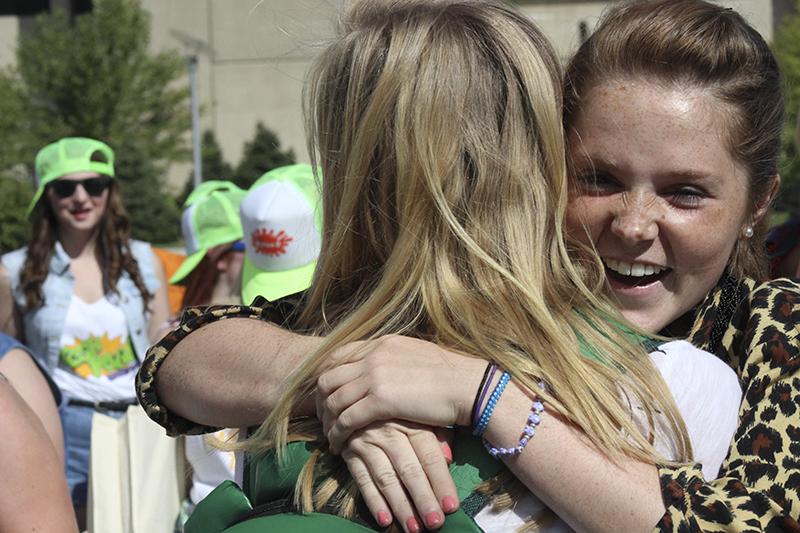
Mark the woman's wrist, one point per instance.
(467, 380)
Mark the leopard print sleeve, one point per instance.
(193, 318)
(759, 484)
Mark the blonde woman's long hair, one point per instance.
(438, 130)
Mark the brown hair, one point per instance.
(699, 44)
(201, 281)
(114, 233)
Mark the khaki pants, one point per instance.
(136, 479)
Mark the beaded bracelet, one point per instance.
(537, 408)
(483, 422)
(480, 394)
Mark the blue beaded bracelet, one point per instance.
(483, 422)
(527, 434)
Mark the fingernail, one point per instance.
(448, 452)
(449, 504)
(384, 518)
(433, 520)
(412, 525)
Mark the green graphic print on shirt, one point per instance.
(98, 356)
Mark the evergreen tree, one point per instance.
(214, 165)
(94, 76)
(261, 154)
(787, 49)
(15, 195)
(13, 149)
(156, 217)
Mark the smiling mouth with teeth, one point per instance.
(634, 274)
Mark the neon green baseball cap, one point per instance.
(69, 155)
(282, 222)
(207, 187)
(210, 218)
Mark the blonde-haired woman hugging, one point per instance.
(438, 128)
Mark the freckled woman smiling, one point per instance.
(661, 196)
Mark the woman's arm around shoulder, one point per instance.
(410, 379)
(221, 367)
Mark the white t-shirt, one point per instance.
(707, 393)
(96, 361)
(210, 466)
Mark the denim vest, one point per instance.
(43, 326)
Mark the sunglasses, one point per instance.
(92, 186)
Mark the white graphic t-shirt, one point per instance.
(96, 362)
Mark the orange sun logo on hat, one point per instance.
(270, 243)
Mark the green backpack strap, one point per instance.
(217, 511)
(266, 479)
(228, 510)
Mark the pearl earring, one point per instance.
(748, 232)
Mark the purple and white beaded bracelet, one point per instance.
(537, 408)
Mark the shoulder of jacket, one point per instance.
(15, 259)
(141, 250)
(775, 287)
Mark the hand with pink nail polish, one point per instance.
(401, 472)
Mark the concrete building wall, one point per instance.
(253, 57)
(9, 33)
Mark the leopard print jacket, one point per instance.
(754, 328)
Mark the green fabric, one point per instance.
(590, 352)
(207, 187)
(223, 506)
(267, 481)
(471, 465)
(292, 522)
(70, 155)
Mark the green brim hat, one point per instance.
(70, 155)
(282, 222)
(207, 187)
(211, 218)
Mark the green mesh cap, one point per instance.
(69, 155)
(282, 221)
(207, 187)
(210, 218)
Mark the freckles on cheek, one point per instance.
(582, 219)
(575, 216)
